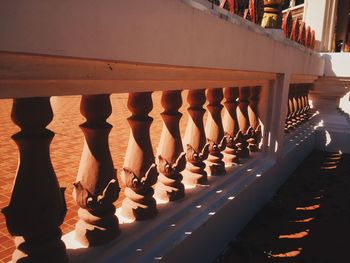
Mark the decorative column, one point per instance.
(37, 207)
(255, 128)
(215, 132)
(272, 14)
(171, 157)
(96, 186)
(139, 171)
(230, 125)
(243, 123)
(197, 149)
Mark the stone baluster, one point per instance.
(171, 157)
(255, 127)
(215, 133)
(294, 105)
(296, 101)
(301, 103)
(37, 207)
(197, 149)
(230, 125)
(290, 115)
(272, 17)
(96, 186)
(139, 172)
(243, 123)
(305, 102)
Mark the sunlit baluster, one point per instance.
(295, 106)
(230, 125)
(305, 102)
(37, 206)
(171, 157)
(308, 108)
(298, 108)
(290, 125)
(243, 122)
(215, 132)
(255, 127)
(300, 103)
(197, 149)
(96, 186)
(139, 172)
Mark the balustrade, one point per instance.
(298, 106)
(37, 206)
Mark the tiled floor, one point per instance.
(66, 150)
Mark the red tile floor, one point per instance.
(66, 150)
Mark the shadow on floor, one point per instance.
(308, 220)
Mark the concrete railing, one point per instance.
(251, 71)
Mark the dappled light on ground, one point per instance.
(306, 221)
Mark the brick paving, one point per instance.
(66, 149)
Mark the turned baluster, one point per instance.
(96, 186)
(289, 121)
(272, 17)
(243, 123)
(37, 206)
(215, 132)
(230, 125)
(296, 101)
(294, 117)
(305, 102)
(255, 127)
(197, 149)
(171, 157)
(301, 103)
(139, 171)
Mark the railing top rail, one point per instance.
(177, 34)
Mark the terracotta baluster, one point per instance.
(255, 127)
(197, 149)
(171, 157)
(96, 186)
(243, 123)
(301, 103)
(215, 132)
(290, 115)
(230, 125)
(295, 106)
(305, 102)
(37, 206)
(296, 101)
(308, 108)
(272, 14)
(139, 172)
